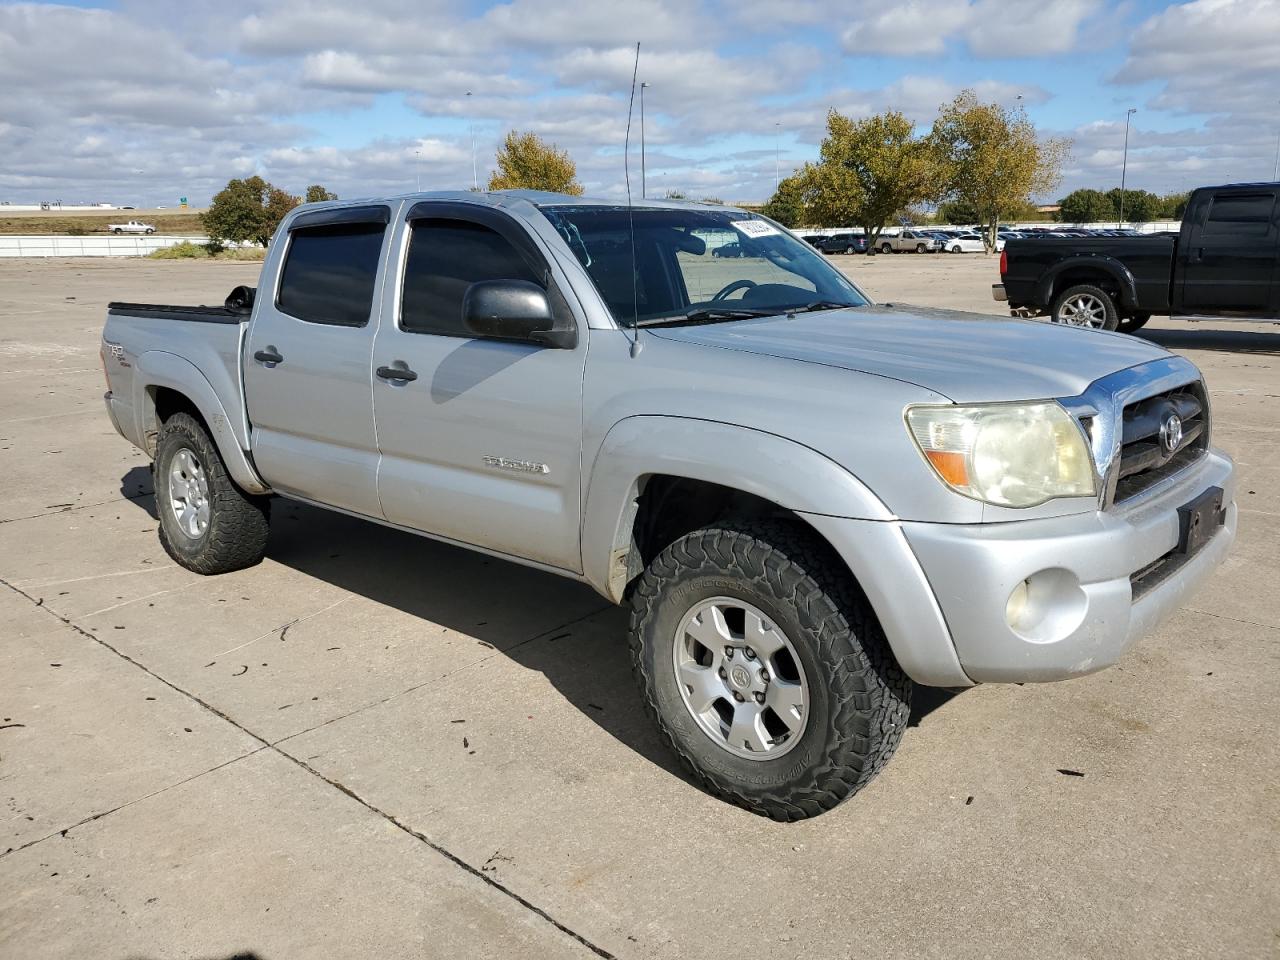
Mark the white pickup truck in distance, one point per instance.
(133, 226)
(808, 501)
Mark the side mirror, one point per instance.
(514, 310)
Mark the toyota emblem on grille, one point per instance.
(1171, 433)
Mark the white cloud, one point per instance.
(989, 28)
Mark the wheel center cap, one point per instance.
(740, 677)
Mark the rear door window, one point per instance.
(1240, 215)
(330, 273)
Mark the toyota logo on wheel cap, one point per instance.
(1171, 433)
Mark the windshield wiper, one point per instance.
(819, 305)
(710, 315)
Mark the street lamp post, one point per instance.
(642, 171)
(1275, 170)
(471, 125)
(1124, 164)
(417, 167)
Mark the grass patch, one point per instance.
(207, 251)
(91, 224)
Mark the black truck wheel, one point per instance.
(1133, 323)
(1085, 305)
(765, 668)
(207, 523)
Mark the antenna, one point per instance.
(631, 219)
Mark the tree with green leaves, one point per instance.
(525, 162)
(1174, 205)
(867, 172)
(318, 194)
(787, 203)
(247, 210)
(1085, 206)
(1139, 205)
(995, 159)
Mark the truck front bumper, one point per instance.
(1035, 600)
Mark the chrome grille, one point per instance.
(1147, 454)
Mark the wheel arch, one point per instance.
(1106, 273)
(167, 384)
(656, 478)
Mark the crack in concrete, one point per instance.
(82, 506)
(441, 678)
(453, 858)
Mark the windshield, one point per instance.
(697, 264)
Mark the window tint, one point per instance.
(1241, 215)
(446, 257)
(329, 273)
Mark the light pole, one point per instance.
(1275, 170)
(642, 173)
(777, 130)
(1124, 164)
(471, 124)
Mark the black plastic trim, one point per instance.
(164, 311)
(370, 213)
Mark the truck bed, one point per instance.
(1148, 259)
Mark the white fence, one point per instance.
(107, 246)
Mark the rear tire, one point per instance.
(853, 700)
(921, 248)
(207, 523)
(1085, 305)
(886, 248)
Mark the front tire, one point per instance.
(765, 668)
(1085, 305)
(207, 523)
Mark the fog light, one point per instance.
(1047, 606)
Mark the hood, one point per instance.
(966, 357)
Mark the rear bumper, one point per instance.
(941, 591)
(998, 292)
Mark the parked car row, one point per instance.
(951, 239)
(907, 241)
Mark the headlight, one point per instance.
(1008, 454)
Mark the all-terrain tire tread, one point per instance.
(870, 694)
(238, 523)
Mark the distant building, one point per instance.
(1049, 208)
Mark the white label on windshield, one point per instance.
(754, 228)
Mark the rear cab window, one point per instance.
(1240, 215)
(331, 268)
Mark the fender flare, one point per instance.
(771, 467)
(156, 368)
(1110, 266)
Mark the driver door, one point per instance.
(483, 444)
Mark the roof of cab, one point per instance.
(539, 198)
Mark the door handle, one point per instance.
(403, 374)
(268, 355)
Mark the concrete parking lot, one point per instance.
(373, 745)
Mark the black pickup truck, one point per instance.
(1224, 264)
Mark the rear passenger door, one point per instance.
(1228, 265)
(484, 445)
(307, 363)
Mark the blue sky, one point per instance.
(149, 101)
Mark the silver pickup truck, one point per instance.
(808, 500)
